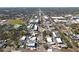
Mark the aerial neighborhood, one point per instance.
(39, 29)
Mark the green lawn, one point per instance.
(15, 21)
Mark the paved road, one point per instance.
(68, 38)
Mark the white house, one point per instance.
(33, 39)
(36, 21)
(35, 27)
(54, 34)
(31, 21)
(49, 39)
(45, 17)
(35, 16)
(77, 20)
(23, 38)
(58, 40)
(32, 42)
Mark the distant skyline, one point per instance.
(39, 3)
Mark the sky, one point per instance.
(39, 3)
